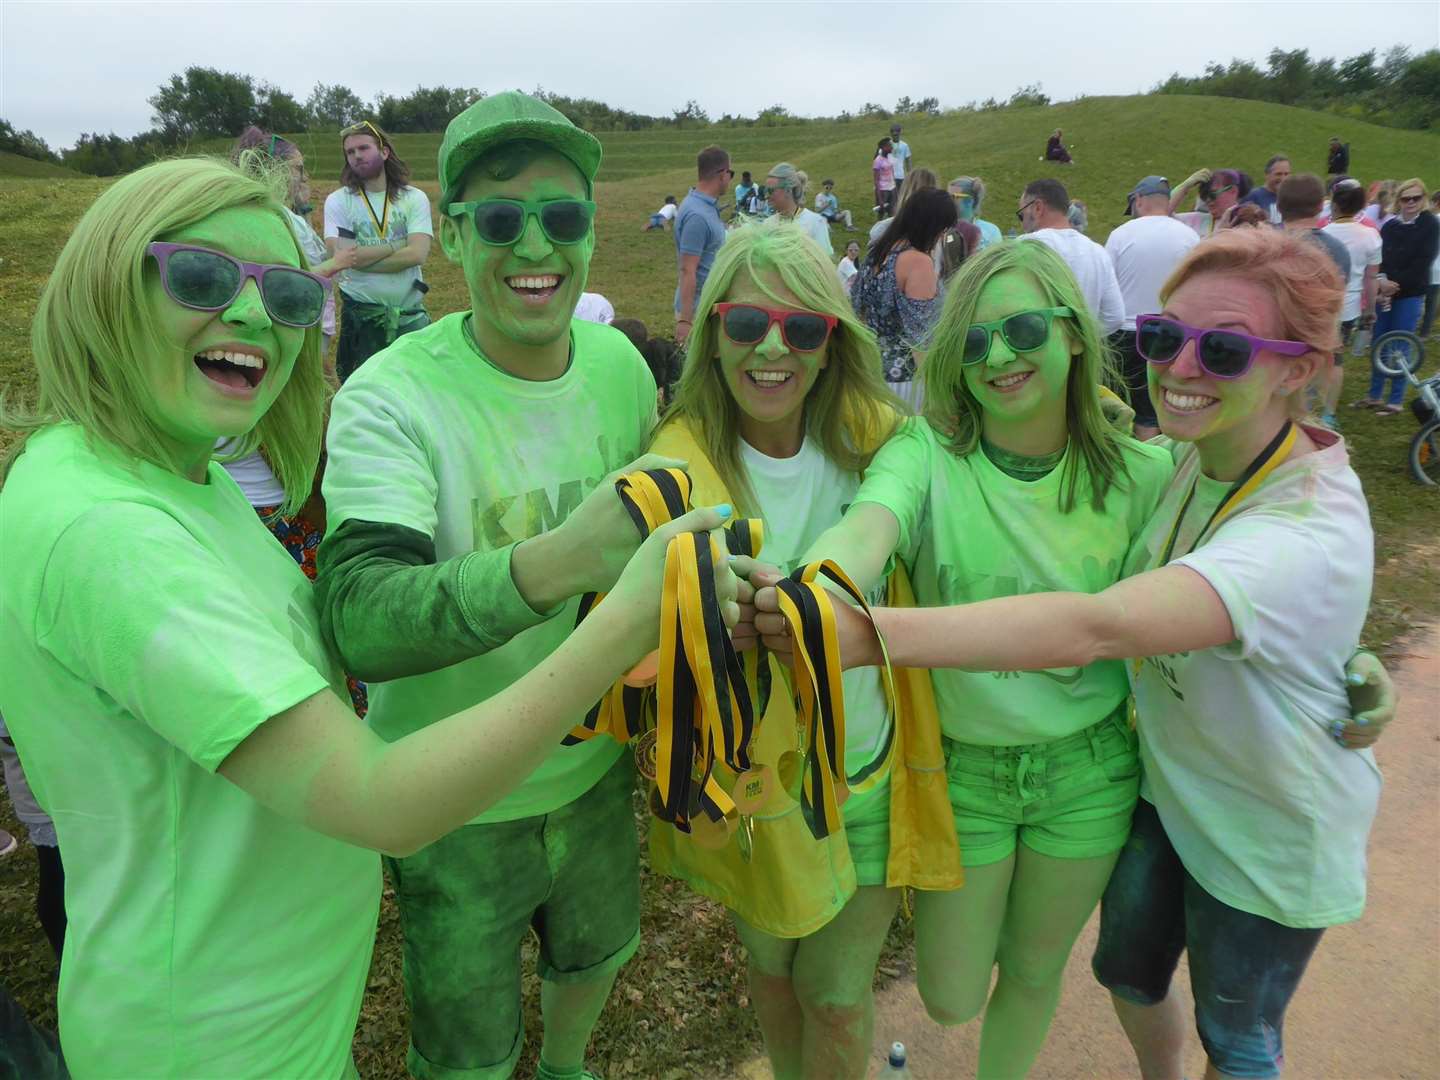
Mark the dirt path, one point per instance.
(1369, 1008)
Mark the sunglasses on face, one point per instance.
(1224, 354)
(1025, 331)
(205, 280)
(802, 331)
(1411, 198)
(501, 222)
(1020, 214)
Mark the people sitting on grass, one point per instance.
(827, 205)
(1055, 149)
(664, 217)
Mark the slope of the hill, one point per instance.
(23, 168)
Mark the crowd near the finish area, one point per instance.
(991, 564)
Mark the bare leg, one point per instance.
(1050, 900)
(834, 970)
(1334, 380)
(570, 1011)
(1156, 1034)
(956, 937)
(769, 971)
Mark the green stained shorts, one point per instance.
(1071, 798)
(867, 832)
(467, 901)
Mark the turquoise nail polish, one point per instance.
(724, 510)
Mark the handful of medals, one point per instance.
(691, 730)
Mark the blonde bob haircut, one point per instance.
(849, 412)
(1095, 462)
(1299, 275)
(92, 325)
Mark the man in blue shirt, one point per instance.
(699, 232)
(1277, 169)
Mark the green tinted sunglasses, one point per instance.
(1025, 331)
(502, 221)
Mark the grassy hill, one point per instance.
(13, 165)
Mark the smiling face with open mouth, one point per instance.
(522, 295)
(213, 374)
(768, 380)
(1020, 391)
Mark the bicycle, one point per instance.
(1400, 353)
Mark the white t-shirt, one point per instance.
(1144, 251)
(1363, 243)
(252, 475)
(667, 211)
(845, 271)
(408, 212)
(1198, 220)
(1092, 269)
(816, 227)
(800, 497)
(1266, 811)
(900, 155)
(592, 307)
(315, 254)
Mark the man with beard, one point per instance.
(377, 210)
(471, 504)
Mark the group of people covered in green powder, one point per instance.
(1128, 661)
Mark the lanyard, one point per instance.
(1266, 462)
(384, 217)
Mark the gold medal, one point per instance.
(644, 750)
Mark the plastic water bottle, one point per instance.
(896, 1066)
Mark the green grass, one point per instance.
(13, 165)
(680, 1008)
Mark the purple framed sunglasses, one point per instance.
(206, 280)
(1225, 354)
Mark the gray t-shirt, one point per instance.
(698, 231)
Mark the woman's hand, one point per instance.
(856, 634)
(1372, 702)
(744, 635)
(632, 607)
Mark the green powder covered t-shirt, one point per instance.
(969, 532)
(150, 625)
(430, 436)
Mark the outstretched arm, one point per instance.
(861, 543)
(315, 765)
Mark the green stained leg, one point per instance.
(769, 971)
(570, 1011)
(957, 934)
(1050, 900)
(834, 971)
(1157, 1034)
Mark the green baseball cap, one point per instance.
(507, 117)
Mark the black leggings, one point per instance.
(50, 897)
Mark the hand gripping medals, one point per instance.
(698, 720)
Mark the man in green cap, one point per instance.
(470, 505)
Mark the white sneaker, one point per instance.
(8, 844)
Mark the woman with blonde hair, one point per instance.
(164, 674)
(779, 411)
(1408, 245)
(785, 191)
(1245, 591)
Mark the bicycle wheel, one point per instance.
(1397, 352)
(1425, 454)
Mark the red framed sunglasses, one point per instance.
(802, 331)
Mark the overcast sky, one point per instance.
(67, 68)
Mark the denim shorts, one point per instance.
(1243, 968)
(466, 902)
(1070, 798)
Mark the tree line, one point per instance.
(1399, 90)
